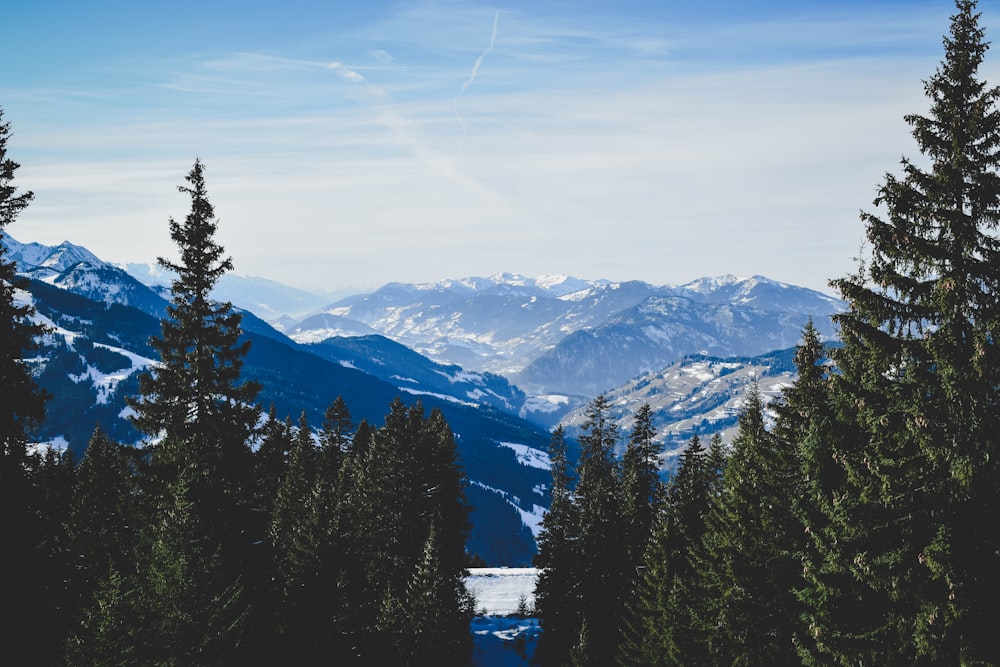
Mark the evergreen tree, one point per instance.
(194, 610)
(840, 614)
(271, 460)
(753, 546)
(641, 497)
(558, 561)
(397, 483)
(665, 610)
(194, 401)
(103, 517)
(920, 368)
(443, 493)
(602, 574)
(336, 436)
(641, 487)
(439, 610)
(22, 405)
(200, 419)
(294, 540)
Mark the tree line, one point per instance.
(854, 521)
(229, 537)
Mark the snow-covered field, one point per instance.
(498, 590)
(502, 639)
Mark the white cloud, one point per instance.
(597, 148)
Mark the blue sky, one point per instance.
(351, 144)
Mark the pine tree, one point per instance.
(271, 460)
(443, 493)
(641, 498)
(840, 614)
(104, 515)
(397, 482)
(194, 401)
(337, 434)
(753, 546)
(602, 574)
(558, 561)
(21, 407)
(921, 367)
(641, 487)
(439, 610)
(200, 420)
(194, 609)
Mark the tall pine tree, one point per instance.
(558, 561)
(602, 576)
(921, 367)
(200, 419)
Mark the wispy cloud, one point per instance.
(605, 144)
(347, 72)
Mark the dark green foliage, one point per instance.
(752, 546)
(22, 405)
(194, 400)
(602, 573)
(920, 379)
(582, 593)
(199, 575)
(641, 490)
(558, 560)
(670, 613)
(399, 484)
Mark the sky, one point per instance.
(349, 144)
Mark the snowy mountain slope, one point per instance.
(77, 270)
(495, 324)
(662, 329)
(91, 360)
(417, 375)
(576, 338)
(699, 394)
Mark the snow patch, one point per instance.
(443, 397)
(529, 456)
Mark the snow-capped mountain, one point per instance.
(76, 269)
(417, 375)
(497, 324)
(566, 336)
(98, 344)
(661, 329)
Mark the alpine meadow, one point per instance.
(498, 471)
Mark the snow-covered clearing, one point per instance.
(529, 456)
(501, 639)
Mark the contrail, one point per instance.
(482, 56)
(475, 72)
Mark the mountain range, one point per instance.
(568, 339)
(100, 320)
(505, 358)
